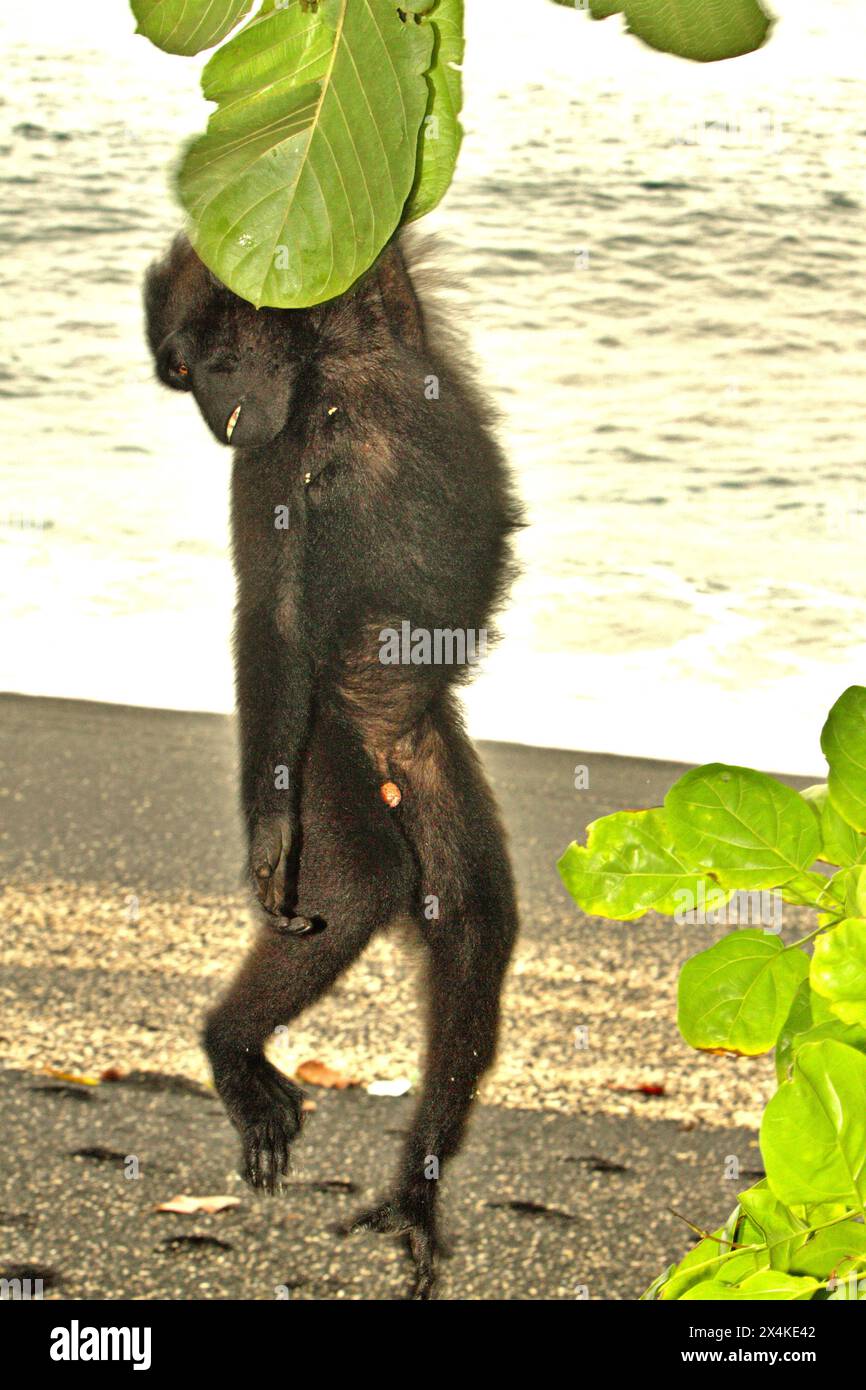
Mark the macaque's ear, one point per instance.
(399, 300)
(157, 284)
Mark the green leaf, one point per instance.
(441, 131)
(808, 890)
(848, 888)
(843, 740)
(652, 1293)
(703, 30)
(829, 1249)
(813, 1134)
(799, 1020)
(793, 1037)
(815, 798)
(838, 970)
(737, 995)
(308, 160)
(767, 1284)
(711, 1258)
(781, 1229)
(849, 1033)
(842, 844)
(702, 1262)
(629, 866)
(187, 26)
(751, 830)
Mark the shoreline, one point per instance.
(62, 703)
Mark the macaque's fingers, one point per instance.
(269, 854)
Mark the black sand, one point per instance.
(570, 1171)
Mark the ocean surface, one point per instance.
(663, 272)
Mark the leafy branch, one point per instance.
(799, 1233)
(338, 120)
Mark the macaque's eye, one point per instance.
(178, 371)
(173, 368)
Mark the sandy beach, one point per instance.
(123, 912)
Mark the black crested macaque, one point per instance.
(367, 491)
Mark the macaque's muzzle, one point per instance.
(242, 406)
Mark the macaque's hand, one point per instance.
(270, 847)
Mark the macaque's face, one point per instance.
(240, 363)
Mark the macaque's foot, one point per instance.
(416, 1220)
(270, 848)
(265, 1108)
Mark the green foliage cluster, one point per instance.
(728, 837)
(338, 120)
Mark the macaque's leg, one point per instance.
(356, 875)
(468, 919)
(280, 977)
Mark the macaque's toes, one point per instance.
(422, 1248)
(266, 1155)
(265, 1107)
(418, 1226)
(266, 1149)
(386, 1219)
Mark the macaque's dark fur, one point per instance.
(406, 515)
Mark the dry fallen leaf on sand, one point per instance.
(112, 1074)
(191, 1206)
(74, 1076)
(644, 1088)
(319, 1074)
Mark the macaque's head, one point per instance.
(240, 363)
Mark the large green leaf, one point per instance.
(843, 740)
(738, 994)
(838, 970)
(813, 1134)
(308, 160)
(629, 866)
(441, 131)
(751, 830)
(704, 30)
(187, 26)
